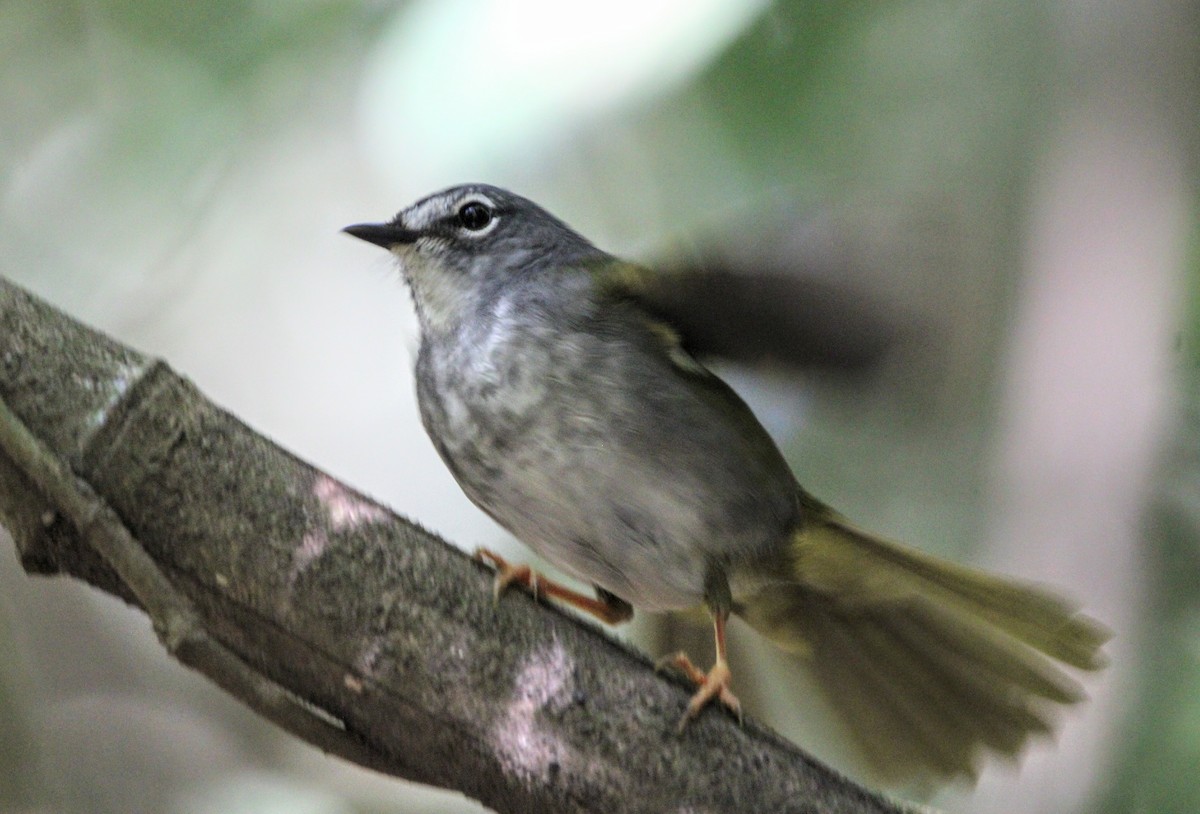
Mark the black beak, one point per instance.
(382, 234)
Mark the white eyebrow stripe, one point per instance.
(430, 211)
(425, 213)
(475, 197)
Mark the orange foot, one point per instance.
(507, 573)
(712, 685)
(607, 608)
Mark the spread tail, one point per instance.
(931, 663)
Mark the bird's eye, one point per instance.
(474, 216)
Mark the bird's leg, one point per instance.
(715, 683)
(608, 608)
(711, 685)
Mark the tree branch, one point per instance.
(348, 626)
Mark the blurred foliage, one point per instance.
(19, 778)
(150, 108)
(1156, 764)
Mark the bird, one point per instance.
(576, 417)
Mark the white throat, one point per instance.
(442, 299)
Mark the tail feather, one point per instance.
(931, 663)
(981, 652)
(855, 567)
(887, 708)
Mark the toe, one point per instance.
(682, 663)
(715, 685)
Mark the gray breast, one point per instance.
(597, 453)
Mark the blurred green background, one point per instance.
(1015, 184)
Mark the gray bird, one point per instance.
(578, 421)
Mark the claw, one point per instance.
(713, 685)
(680, 661)
(507, 573)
